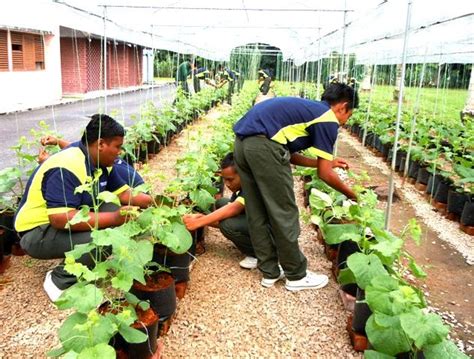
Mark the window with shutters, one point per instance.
(27, 51)
(3, 50)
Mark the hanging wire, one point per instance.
(399, 115)
(415, 114)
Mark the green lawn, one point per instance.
(440, 104)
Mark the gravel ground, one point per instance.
(448, 231)
(226, 313)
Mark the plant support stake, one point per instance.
(399, 115)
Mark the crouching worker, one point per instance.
(50, 199)
(121, 167)
(229, 215)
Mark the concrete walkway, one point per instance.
(70, 115)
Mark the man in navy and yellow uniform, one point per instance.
(50, 199)
(268, 139)
(226, 75)
(199, 73)
(229, 215)
(264, 81)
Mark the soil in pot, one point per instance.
(362, 312)
(160, 291)
(467, 216)
(456, 201)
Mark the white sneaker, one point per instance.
(248, 262)
(267, 283)
(311, 281)
(50, 288)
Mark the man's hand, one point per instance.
(48, 141)
(42, 155)
(191, 221)
(339, 162)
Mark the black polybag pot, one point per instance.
(9, 236)
(162, 300)
(362, 312)
(432, 184)
(467, 216)
(177, 263)
(423, 175)
(413, 169)
(347, 248)
(401, 159)
(441, 194)
(456, 202)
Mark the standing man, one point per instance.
(264, 81)
(51, 201)
(226, 75)
(200, 73)
(184, 70)
(268, 139)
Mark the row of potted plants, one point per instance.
(440, 158)
(451, 194)
(125, 301)
(371, 264)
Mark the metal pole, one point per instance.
(320, 63)
(343, 43)
(152, 64)
(305, 77)
(413, 120)
(369, 105)
(105, 59)
(399, 115)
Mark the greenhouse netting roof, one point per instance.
(440, 31)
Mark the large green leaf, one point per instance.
(100, 351)
(79, 250)
(81, 216)
(387, 244)
(377, 294)
(132, 335)
(143, 252)
(122, 281)
(386, 334)
(109, 197)
(82, 298)
(424, 329)
(445, 349)
(365, 268)
(80, 331)
(345, 276)
(202, 198)
(177, 238)
(386, 295)
(337, 233)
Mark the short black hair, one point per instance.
(339, 92)
(101, 126)
(228, 161)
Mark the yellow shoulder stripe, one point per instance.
(292, 132)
